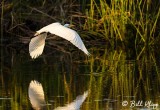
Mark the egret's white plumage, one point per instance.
(36, 95)
(37, 44)
(36, 48)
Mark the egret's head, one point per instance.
(68, 25)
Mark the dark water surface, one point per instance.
(113, 80)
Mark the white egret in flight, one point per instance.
(37, 43)
(37, 100)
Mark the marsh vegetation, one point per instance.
(122, 35)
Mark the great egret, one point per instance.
(36, 96)
(37, 43)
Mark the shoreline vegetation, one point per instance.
(128, 24)
(122, 36)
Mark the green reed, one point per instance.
(112, 19)
(118, 21)
(1, 54)
(111, 75)
(121, 79)
(108, 76)
(108, 20)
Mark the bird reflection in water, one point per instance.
(37, 100)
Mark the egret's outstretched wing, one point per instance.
(37, 44)
(66, 33)
(36, 95)
(76, 104)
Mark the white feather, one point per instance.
(37, 44)
(61, 31)
(36, 95)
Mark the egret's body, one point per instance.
(36, 96)
(37, 43)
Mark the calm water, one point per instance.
(114, 81)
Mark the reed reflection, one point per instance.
(37, 100)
